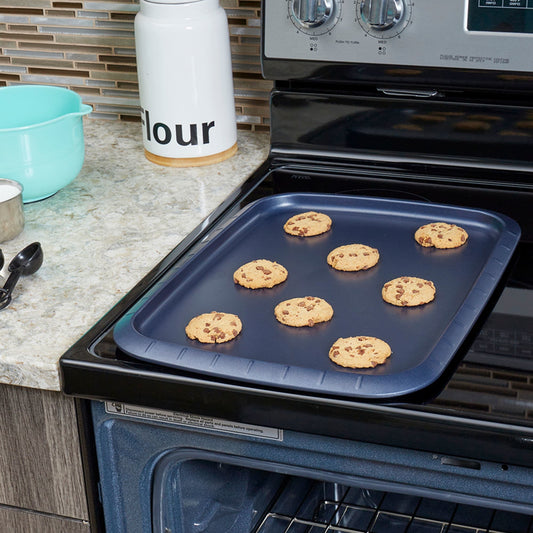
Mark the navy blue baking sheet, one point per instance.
(423, 339)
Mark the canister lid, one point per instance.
(173, 1)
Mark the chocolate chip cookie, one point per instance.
(408, 291)
(353, 257)
(308, 224)
(359, 352)
(306, 311)
(441, 235)
(214, 327)
(260, 274)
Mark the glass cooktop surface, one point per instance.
(484, 402)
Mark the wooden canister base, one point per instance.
(183, 162)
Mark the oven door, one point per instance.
(165, 471)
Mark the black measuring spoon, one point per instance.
(26, 262)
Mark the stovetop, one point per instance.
(483, 404)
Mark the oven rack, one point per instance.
(332, 508)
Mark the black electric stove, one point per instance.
(482, 404)
(420, 102)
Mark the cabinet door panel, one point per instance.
(40, 453)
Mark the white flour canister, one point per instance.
(185, 82)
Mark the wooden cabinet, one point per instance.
(24, 521)
(41, 477)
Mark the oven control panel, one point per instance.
(478, 34)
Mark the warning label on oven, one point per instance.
(192, 421)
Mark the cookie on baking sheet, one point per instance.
(214, 327)
(441, 235)
(308, 224)
(306, 311)
(260, 274)
(359, 352)
(408, 291)
(353, 257)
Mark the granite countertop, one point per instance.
(100, 235)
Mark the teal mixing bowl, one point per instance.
(41, 138)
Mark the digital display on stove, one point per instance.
(506, 16)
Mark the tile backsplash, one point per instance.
(89, 46)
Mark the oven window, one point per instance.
(211, 497)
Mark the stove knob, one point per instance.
(312, 13)
(382, 14)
